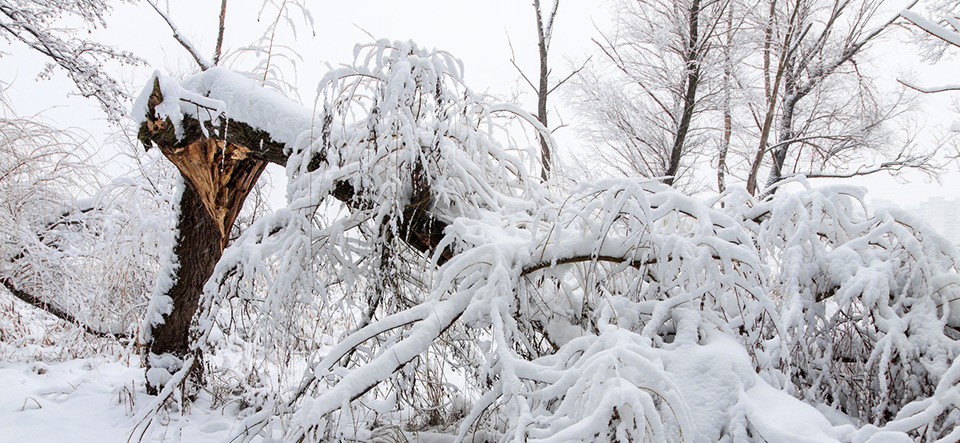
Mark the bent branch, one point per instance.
(39, 303)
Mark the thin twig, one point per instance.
(204, 65)
(223, 16)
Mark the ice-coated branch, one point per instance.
(37, 25)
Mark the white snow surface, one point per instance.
(219, 92)
(91, 400)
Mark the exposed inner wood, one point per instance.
(420, 229)
(221, 165)
(222, 173)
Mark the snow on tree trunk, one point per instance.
(219, 176)
(197, 250)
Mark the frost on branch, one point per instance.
(39, 24)
(441, 287)
(69, 245)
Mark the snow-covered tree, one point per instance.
(646, 98)
(40, 25)
(420, 276)
(777, 85)
(69, 245)
(822, 112)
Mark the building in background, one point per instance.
(943, 215)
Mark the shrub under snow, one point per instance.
(619, 310)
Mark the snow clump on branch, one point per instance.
(622, 310)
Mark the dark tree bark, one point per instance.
(197, 250)
(51, 309)
(220, 168)
(218, 176)
(694, 55)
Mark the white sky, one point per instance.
(474, 31)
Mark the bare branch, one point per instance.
(572, 74)
(203, 63)
(851, 50)
(43, 305)
(929, 89)
(218, 50)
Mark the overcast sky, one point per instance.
(474, 31)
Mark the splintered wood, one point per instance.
(222, 173)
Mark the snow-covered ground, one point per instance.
(60, 385)
(91, 400)
(57, 385)
(97, 399)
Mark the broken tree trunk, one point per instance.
(220, 165)
(218, 177)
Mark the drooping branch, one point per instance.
(893, 166)
(39, 303)
(64, 219)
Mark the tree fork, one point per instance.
(421, 229)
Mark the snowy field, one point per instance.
(58, 385)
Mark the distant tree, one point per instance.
(543, 88)
(824, 112)
(644, 101)
(783, 78)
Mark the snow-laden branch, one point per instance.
(588, 315)
(929, 89)
(949, 36)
